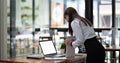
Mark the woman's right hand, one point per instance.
(68, 41)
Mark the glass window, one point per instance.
(58, 7)
(8, 28)
(25, 24)
(102, 12)
(42, 13)
(79, 5)
(117, 21)
(24, 28)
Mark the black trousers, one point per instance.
(95, 51)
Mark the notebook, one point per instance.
(49, 50)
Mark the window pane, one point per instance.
(79, 5)
(24, 27)
(57, 7)
(102, 13)
(8, 28)
(42, 13)
(117, 22)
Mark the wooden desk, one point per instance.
(28, 60)
(113, 54)
(112, 48)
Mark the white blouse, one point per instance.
(81, 32)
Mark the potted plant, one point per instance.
(63, 48)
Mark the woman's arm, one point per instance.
(77, 31)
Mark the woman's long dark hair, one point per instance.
(72, 13)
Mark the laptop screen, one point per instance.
(47, 47)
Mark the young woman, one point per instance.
(85, 35)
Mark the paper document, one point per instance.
(34, 56)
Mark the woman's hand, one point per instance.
(68, 41)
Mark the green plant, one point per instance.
(63, 45)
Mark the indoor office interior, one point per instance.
(24, 23)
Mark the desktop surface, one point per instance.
(41, 60)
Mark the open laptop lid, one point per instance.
(48, 47)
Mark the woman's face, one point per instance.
(67, 17)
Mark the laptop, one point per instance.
(49, 50)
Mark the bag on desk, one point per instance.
(70, 51)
